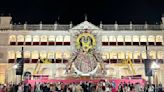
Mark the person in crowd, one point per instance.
(9, 88)
(160, 87)
(52, 87)
(73, 87)
(132, 87)
(29, 88)
(87, 86)
(59, 87)
(78, 88)
(146, 88)
(26, 87)
(108, 88)
(151, 88)
(20, 88)
(38, 87)
(137, 87)
(120, 87)
(65, 89)
(98, 88)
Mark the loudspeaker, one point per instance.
(19, 69)
(148, 70)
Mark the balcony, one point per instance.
(105, 27)
(133, 27)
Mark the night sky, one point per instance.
(64, 11)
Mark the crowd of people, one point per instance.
(137, 87)
(101, 86)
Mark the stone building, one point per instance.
(56, 42)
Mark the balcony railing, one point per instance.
(105, 27)
(31, 27)
(133, 27)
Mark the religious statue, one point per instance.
(86, 60)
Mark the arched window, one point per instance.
(144, 56)
(160, 56)
(34, 56)
(58, 56)
(51, 40)
(66, 40)
(50, 56)
(36, 40)
(105, 57)
(59, 40)
(121, 55)
(27, 56)
(113, 57)
(66, 56)
(151, 40)
(159, 40)
(105, 40)
(136, 40)
(112, 40)
(136, 56)
(43, 39)
(129, 55)
(11, 57)
(18, 54)
(143, 40)
(120, 40)
(20, 39)
(128, 40)
(152, 54)
(12, 40)
(43, 54)
(28, 40)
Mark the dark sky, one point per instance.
(107, 11)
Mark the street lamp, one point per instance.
(15, 66)
(11, 68)
(155, 66)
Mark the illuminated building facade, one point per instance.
(56, 42)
